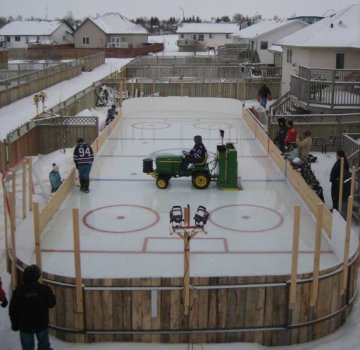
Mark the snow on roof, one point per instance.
(115, 23)
(275, 48)
(30, 28)
(339, 30)
(261, 28)
(220, 28)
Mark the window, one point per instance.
(211, 36)
(289, 56)
(201, 37)
(227, 36)
(86, 40)
(8, 39)
(182, 36)
(17, 38)
(263, 45)
(194, 36)
(340, 61)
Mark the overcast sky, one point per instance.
(164, 9)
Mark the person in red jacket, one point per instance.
(291, 134)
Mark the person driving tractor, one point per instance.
(195, 156)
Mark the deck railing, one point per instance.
(330, 87)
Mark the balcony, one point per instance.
(190, 45)
(330, 88)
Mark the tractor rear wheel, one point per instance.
(201, 180)
(162, 182)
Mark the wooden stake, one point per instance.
(13, 189)
(77, 261)
(315, 281)
(186, 273)
(37, 231)
(341, 185)
(347, 244)
(5, 196)
(295, 255)
(30, 183)
(24, 189)
(13, 240)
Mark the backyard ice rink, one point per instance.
(345, 338)
(124, 221)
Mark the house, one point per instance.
(333, 43)
(111, 30)
(22, 34)
(260, 36)
(204, 36)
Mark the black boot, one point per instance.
(86, 186)
(82, 185)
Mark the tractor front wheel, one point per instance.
(162, 183)
(201, 180)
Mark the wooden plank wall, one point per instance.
(293, 177)
(236, 89)
(229, 309)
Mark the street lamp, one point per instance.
(183, 13)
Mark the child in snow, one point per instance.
(55, 178)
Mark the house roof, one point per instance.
(261, 28)
(115, 23)
(30, 28)
(219, 28)
(339, 30)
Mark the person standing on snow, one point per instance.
(335, 183)
(29, 310)
(83, 158)
(264, 94)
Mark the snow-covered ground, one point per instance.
(346, 338)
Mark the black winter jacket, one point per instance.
(29, 307)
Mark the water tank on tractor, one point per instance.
(228, 167)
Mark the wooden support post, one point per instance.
(295, 256)
(121, 91)
(37, 232)
(315, 281)
(353, 178)
(77, 261)
(132, 89)
(13, 190)
(209, 89)
(24, 189)
(347, 244)
(13, 240)
(186, 273)
(30, 183)
(153, 86)
(219, 89)
(230, 90)
(181, 88)
(5, 196)
(341, 184)
(187, 215)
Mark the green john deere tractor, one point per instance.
(223, 169)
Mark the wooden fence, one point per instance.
(43, 136)
(27, 84)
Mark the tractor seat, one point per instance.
(203, 162)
